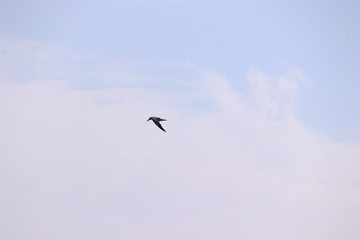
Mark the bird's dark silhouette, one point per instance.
(157, 121)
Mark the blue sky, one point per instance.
(262, 102)
(320, 37)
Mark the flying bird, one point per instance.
(157, 121)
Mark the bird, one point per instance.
(157, 121)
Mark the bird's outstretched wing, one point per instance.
(160, 119)
(159, 125)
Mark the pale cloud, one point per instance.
(275, 95)
(83, 162)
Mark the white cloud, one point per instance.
(82, 162)
(276, 96)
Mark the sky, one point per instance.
(262, 101)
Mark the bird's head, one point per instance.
(149, 119)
